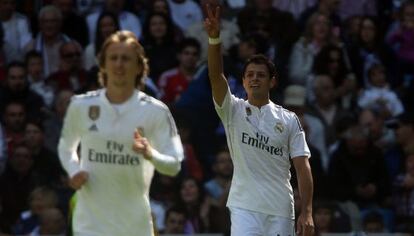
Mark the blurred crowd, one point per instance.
(346, 68)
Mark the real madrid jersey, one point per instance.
(261, 142)
(114, 200)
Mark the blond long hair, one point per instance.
(129, 38)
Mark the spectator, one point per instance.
(184, 13)
(107, 24)
(71, 74)
(127, 20)
(368, 48)
(404, 196)
(325, 107)
(49, 39)
(174, 81)
(159, 43)
(45, 162)
(378, 95)
(360, 168)
(53, 123)
(16, 27)
(16, 89)
(174, 221)
(400, 39)
(35, 76)
(332, 61)
(327, 7)
(17, 181)
(217, 189)
(52, 222)
(296, 8)
(316, 35)
(40, 199)
(73, 25)
(14, 118)
(196, 205)
(381, 136)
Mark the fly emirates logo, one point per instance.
(114, 154)
(261, 142)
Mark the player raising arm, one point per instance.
(262, 137)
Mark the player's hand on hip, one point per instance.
(142, 146)
(79, 179)
(304, 226)
(212, 20)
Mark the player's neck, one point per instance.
(118, 96)
(258, 102)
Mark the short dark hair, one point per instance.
(176, 209)
(189, 42)
(15, 64)
(261, 59)
(32, 54)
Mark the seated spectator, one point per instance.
(197, 206)
(175, 81)
(73, 25)
(360, 168)
(160, 44)
(49, 38)
(52, 222)
(401, 37)
(317, 34)
(379, 96)
(174, 221)
(127, 20)
(17, 182)
(16, 89)
(40, 199)
(218, 190)
(107, 24)
(14, 118)
(35, 76)
(46, 163)
(54, 121)
(404, 196)
(185, 12)
(16, 29)
(71, 74)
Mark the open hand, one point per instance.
(212, 21)
(142, 146)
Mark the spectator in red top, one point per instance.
(173, 82)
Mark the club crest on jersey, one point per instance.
(94, 112)
(248, 111)
(279, 127)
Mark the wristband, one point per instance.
(214, 41)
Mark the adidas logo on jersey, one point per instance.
(93, 128)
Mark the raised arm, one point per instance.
(215, 61)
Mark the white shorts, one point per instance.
(250, 223)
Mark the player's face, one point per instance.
(256, 81)
(121, 65)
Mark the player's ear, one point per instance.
(273, 82)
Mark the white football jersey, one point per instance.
(261, 143)
(114, 200)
